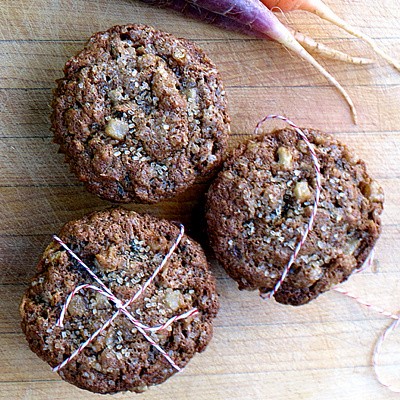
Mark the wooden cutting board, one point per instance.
(260, 350)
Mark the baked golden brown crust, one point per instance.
(140, 114)
(123, 248)
(260, 204)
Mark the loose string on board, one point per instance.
(121, 307)
(366, 264)
(378, 345)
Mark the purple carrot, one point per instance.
(253, 16)
(223, 22)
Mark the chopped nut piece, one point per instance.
(374, 192)
(117, 129)
(314, 272)
(253, 146)
(108, 360)
(159, 244)
(191, 94)
(110, 260)
(179, 54)
(56, 256)
(351, 156)
(173, 299)
(115, 95)
(77, 307)
(351, 247)
(101, 302)
(228, 175)
(302, 192)
(285, 157)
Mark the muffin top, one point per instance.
(140, 114)
(259, 207)
(123, 249)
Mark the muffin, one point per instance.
(140, 114)
(123, 249)
(260, 204)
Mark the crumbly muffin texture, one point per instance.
(260, 204)
(123, 248)
(140, 114)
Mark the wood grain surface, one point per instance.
(260, 350)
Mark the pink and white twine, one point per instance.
(122, 308)
(367, 262)
(316, 200)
